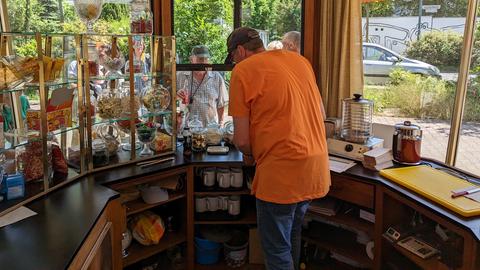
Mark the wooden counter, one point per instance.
(66, 218)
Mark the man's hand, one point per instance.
(182, 94)
(248, 160)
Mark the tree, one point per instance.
(275, 16)
(49, 10)
(387, 8)
(206, 22)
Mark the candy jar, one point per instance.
(109, 134)
(141, 17)
(124, 123)
(109, 104)
(157, 99)
(99, 153)
(214, 134)
(146, 133)
(199, 134)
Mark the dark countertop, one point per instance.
(51, 239)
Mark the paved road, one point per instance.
(435, 140)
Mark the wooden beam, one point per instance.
(309, 34)
(167, 17)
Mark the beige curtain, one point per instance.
(338, 55)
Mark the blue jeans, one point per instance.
(280, 228)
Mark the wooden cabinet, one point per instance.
(413, 214)
(459, 250)
(352, 190)
(176, 203)
(102, 248)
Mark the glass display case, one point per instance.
(41, 140)
(131, 96)
(77, 103)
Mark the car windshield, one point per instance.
(376, 54)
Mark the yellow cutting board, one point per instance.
(436, 186)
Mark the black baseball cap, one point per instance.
(239, 36)
(200, 51)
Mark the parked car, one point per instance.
(379, 61)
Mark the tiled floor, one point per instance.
(435, 140)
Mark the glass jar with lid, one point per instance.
(228, 132)
(110, 135)
(99, 153)
(214, 134)
(199, 134)
(109, 104)
(157, 98)
(141, 17)
(30, 159)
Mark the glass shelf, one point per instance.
(146, 115)
(65, 130)
(31, 34)
(28, 86)
(126, 77)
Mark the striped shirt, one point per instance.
(207, 96)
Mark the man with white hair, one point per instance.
(292, 41)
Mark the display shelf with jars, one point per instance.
(134, 109)
(76, 104)
(40, 119)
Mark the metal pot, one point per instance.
(407, 142)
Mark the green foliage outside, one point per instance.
(387, 8)
(441, 49)
(412, 95)
(203, 22)
(209, 22)
(277, 16)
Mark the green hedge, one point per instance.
(442, 49)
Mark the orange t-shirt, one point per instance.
(278, 91)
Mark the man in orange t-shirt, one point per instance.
(276, 109)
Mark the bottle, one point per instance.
(141, 17)
(187, 141)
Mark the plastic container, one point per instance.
(235, 254)
(206, 251)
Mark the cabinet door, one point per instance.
(353, 191)
(100, 257)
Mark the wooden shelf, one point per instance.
(430, 263)
(139, 205)
(349, 220)
(223, 266)
(220, 192)
(250, 217)
(338, 241)
(138, 252)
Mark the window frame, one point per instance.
(237, 22)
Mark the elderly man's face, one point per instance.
(199, 60)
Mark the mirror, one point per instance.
(393, 59)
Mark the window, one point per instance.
(213, 20)
(209, 22)
(202, 22)
(376, 54)
(272, 18)
(422, 86)
(50, 16)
